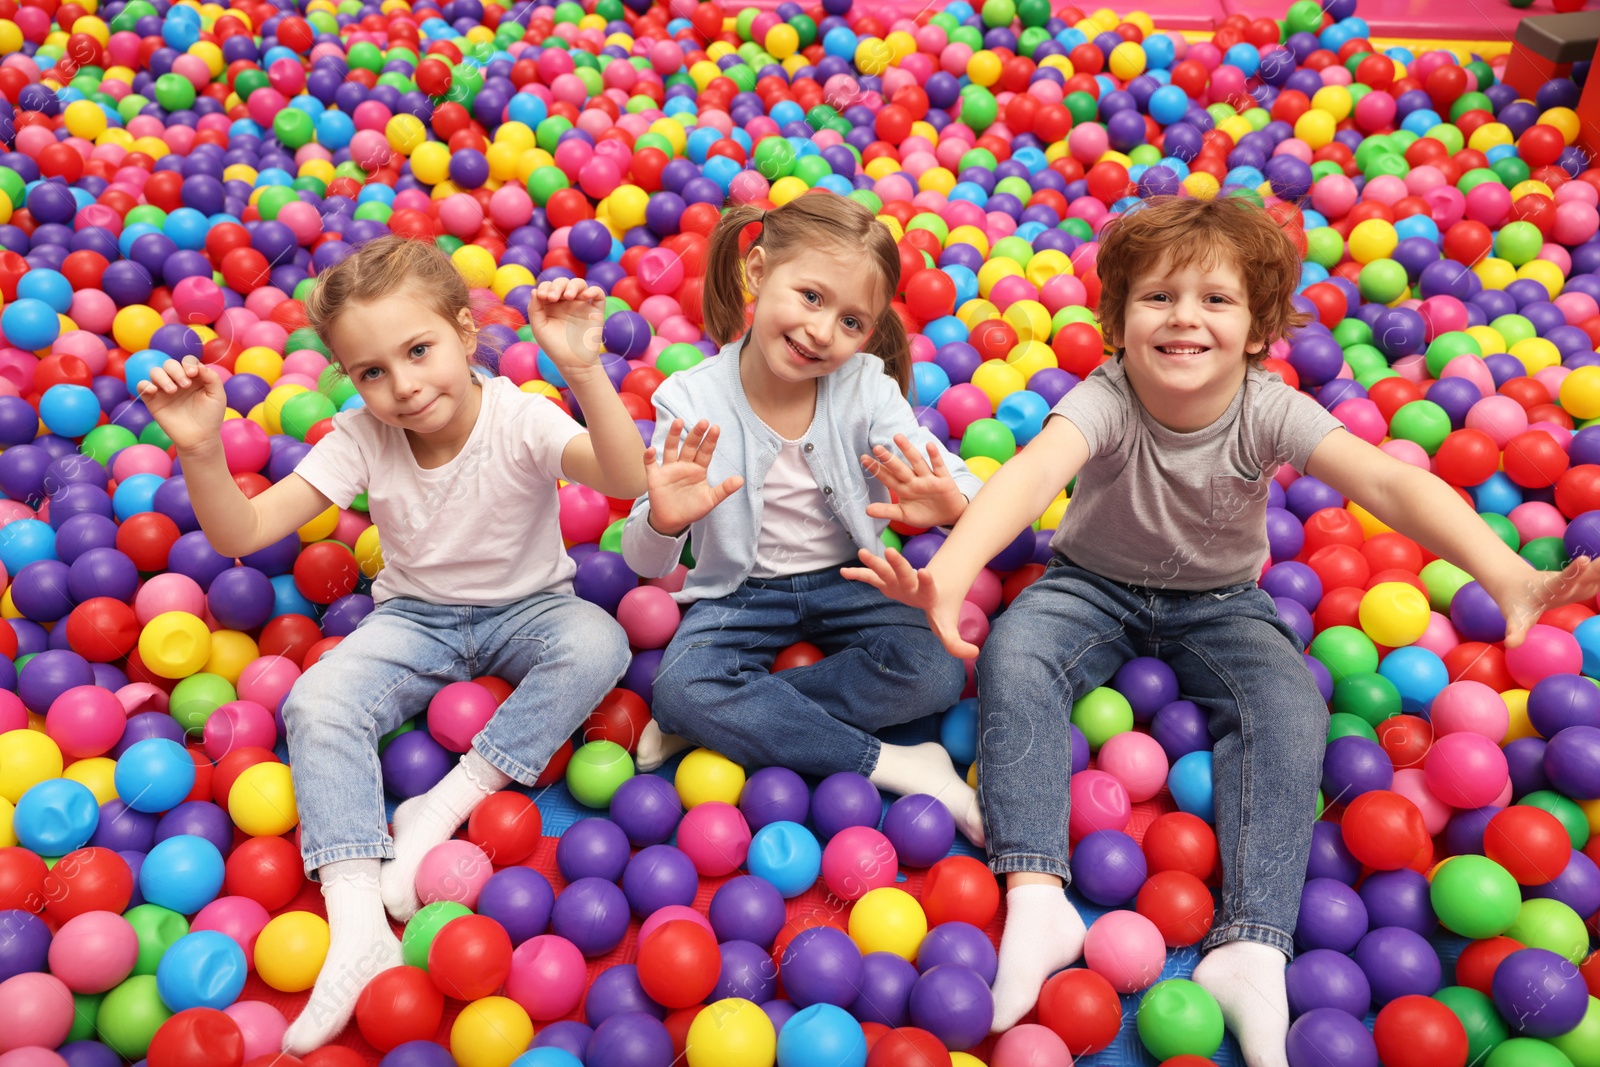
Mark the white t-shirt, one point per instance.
(483, 529)
(798, 532)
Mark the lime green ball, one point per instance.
(1177, 1018)
(1382, 281)
(175, 92)
(1566, 812)
(1447, 346)
(545, 182)
(998, 13)
(103, 442)
(305, 338)
(1526, 1052)
(303, 411)
(1581, 1044)
(1514, 328)
(1479, 1018)
(1474, 896)
(1102, 714)
(774, 158)
(1372, 698)
(130, 1015)
(978, 106)
(366, 56)
(1345, 651)
(1422, 422)
(1552, 925)
(404, 728)
(988, 437)
(1518, 242)
(1324, 246)
(148, 213)
(424, 927)
(293, 128)
(611, 539)
(1443, 580)
(157, 929)
(680, 356)
(197, 696)
(1343, 724)
(274, 198)
(596, 771)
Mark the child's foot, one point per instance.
(1044, 933)
(1247, 980)
(361, 947)
(926, 768)
(656, 747)
(425, 822)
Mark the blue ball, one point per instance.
(822, 1035)
(48, 286)
(547, 1057)
(1190, 782)
(787, 855)
(958, 731)
(30, 324)
(1023, 413)
(182, 874)
(1418, 674)
(204, 969)
(69, 410)
(154, 775)
(928, 383)
(55, 817)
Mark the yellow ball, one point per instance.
(369, 552)
(8, 835)
(732, 1033)
(273, 406)
(940, 180)
(490, 1033)
(1046, 265)
(983, 467)
(1030, 319)
(1127, 61)
(405, 134)
(1394, 613)
(1031, 357)
(628, 204)
(321, 527)
(135, 325)
(290, 951)
(1316, 128)
(1490, 135)
(888, 920)
(83, 118)
(1335, 100)
(1052, 516)
(476, 265)
(1372, 239)
(1494, 273)
(27, 758)
(786, 189)
(261, 361)
(1591, 812)
(1546, 274)
(1580, 393)
(261, 801)
(967, 235)
(1517, 707)
(174, 644)
(430, 162)
(1564, 119)
(984, 68)
(1536, 354)
(998, 380)
(1202, 186)
(97, 775)
(783, 41)
(706, 775)
(991, 272)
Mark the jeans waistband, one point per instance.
(1152, 590)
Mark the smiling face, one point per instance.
(410, 366)
(1185, 338)
(814, 310)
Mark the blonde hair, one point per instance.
(817, 218)
(382, 268)
(1182, 231)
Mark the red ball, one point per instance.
(1528, 842)
(620, 717)
(197, 1037)
(1079, 348)
(960, 889)
(1332, 526)
(1339, 566)
(268, 870)
(1178, 841)
(1083, 1010)
(931, 294)
(907, 1046)
(1418, 1031)
(679, 963)
(1478, 961)
(799, 654)
(334, 1056)
(1467, 241)
(326, 571)
(1406, 740)
(102, 630)
(471, 957)
(1540, 145)
(289, 636)
(90, 879)
(1534, 460)
(246, 270)
(1468, 457)
(1179, 904)
(1475, 661)
(22, 876)
(993, 338)
(506, 826)
(1383, 829)
(1392, 551)
(147, 538)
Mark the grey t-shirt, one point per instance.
(1184, 511)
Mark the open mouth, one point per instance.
(802, 351)
(1181, 350)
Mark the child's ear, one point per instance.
(468, 329)
(755, 269)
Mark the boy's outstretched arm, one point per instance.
(1009, 501)
(1427, 510)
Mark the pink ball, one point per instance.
(458, 712)
(1488, 203)
(239, 724)
(1471, 707)
(32, 1056)
(261, 1024)
(1471, 368)
(660, 270)
(599, 177)
(240, 918)
(962, 405)
(1407, 452)
(1126, 949)
(1099, 802)
(715, 837)
(1548, 650)
(13, 713)
(1138, 761)
(267, 680)
(93, 310)
(86, 346)
(85, 721)
(1443, 314)
(1010, 289)
(510, 207)
(168, 592)
(455, 870)
(585, 514)
(1440, 637)
(671, 913)
(245, 445)
(856, 861)
(1576, 222)
(1501, 417)
(1334, 195)
(1465, 770)
(1363, 418)
(94, 952)
(303, 221)
(141, 459)
(1030, 1045)
(307, 361)
(1537, 519)
(1412, 783)
(35, 1009)
(548, 977)
(649, 616)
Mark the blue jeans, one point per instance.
(883, 667)
(1068, 633)
(564, 654)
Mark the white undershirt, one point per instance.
(798, 530)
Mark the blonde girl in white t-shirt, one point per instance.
(460, 471)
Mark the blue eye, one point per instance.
(852, 323)
(811, 297)
(418, 351)
(369, 375)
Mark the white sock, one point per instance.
(926, 768)
(656, 746)
(1247, 980)
(361, 946)
(422, 823)
(1043, 934)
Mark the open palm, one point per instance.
(186, 400)
(566, 317)
(680, 493)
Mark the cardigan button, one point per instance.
(827, 490)
(810, 447)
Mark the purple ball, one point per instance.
(1328, 1037)
(1463, 834)
(954, 1004)
(747, 973)
(631, 1039)
(1525, 761)
(101, 571)
(1539, 993)
(657, 877)
(747, 908)
(146, 725)
(921, 829)
(519, 899)
(1399, 962)
(1353, 765)
(1292, 580)
(193, 555)
(241, 598)
(592, 848)
(616, 991)
(1577, 886)
(26, 945)
(886, 981)
(603, 579)
(1475, 615)
(1180, 727)
(647, 809)
(592, 913)
(626, 333)
(1148, 685)
(569, 1036)
(960, 943)
(1294, 615)
(1399, 898)
(1332, 916)
(1330, 856)
(779, 1012)
(641, 675)
(821, 966)
(122, 829)
(198, 818)
(1108, 867)
(843, 800)
(88, 1054)
(418, 1054)
(414, 763)
(343, 615)
(40, 591)
(1323, 978)
(49, 674)
(1572, 762)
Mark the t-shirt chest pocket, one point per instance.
(1232, 495)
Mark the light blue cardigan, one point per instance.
(858, 406)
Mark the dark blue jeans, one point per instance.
(883, 666)
(1068, 633)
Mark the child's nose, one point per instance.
(821, 330)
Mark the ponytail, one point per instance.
(890, 344)
(723, 296)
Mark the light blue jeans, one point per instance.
(1066, 634)
(562, 653)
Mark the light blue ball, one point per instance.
(182, 873)
(787, 855)
(204, 969)
(55, 817)
(155, 774)
(958, 731)
(822, 1035)
(1418, 674)
(1190, 783)
(69, 410)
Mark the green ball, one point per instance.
(1581, 1044)
(1353, 332)
(130, 1015)
(978, 108)
(1518, 242)
(1527, 1052)
(1345, 651)
(545, 182)
(1504, 529)
(196, 697)
(611, 539)
(1304, 16)
(336, 385)
(85, 1010)
(1102, 714)
(596, 771)
(997, 13)
(293, 128)
(1566, 812)
(104, 442)
(1545, 553)
(1382, 281)
(774, 158)
(157, 929)
(1372, 698)
(1479, 1018)
(1474, 896)
(176, 93)
(1552, 925)
(1447, 346)
(682, 356)
(12, 185)
(811, 169)
(1443, 580)
(1364, 360)
(153, 434)
(1423, 422)
(424, 927)
(1177, 1018)
(988, 437)
(1082, 106)
(1324, 246)
(274, 198)
(303, 411)
(1343, 724)
(366, 56)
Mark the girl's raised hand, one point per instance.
(925, 493)
(186, 400)
(567, 316)
(1542, 591)
(897, 579)
(680, 494)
